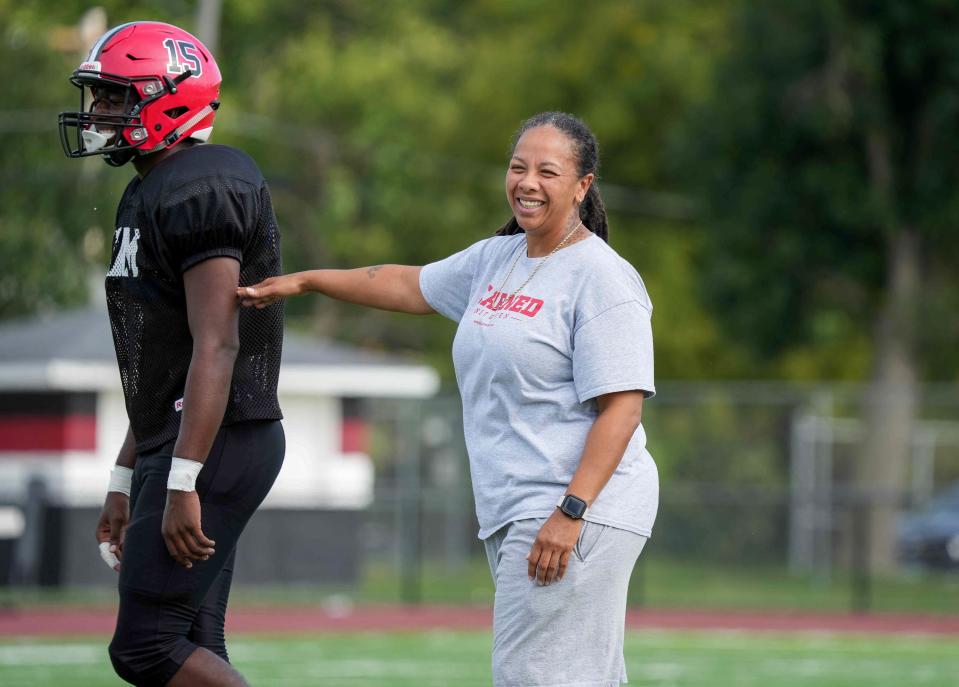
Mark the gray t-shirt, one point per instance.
(529, 370)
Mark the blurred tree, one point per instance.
(42, 261)
(56, 215)
(828, 157)
(385, 132)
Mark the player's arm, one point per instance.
(115, 515)
(619, 416)
(127, 457)
(213, 318)
(386, 287)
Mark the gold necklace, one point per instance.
(538, 265)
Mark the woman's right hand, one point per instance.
(270, 290)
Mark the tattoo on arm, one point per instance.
(373, 270)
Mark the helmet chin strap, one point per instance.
(93, 140)
(119, 157)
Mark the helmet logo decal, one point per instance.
(181, 52)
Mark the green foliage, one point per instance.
(830, 127)
(41, 261)
(732, 135)
(384, 129)
(56, 215)
(385, 139)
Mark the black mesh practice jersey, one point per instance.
(202, 202)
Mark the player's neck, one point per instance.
(144, 163)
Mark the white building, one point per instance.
(62, 421)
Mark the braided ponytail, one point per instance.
(592, 211)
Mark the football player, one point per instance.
(205, 442)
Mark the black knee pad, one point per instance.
(121, 666)
(149, 663)
(150, 642)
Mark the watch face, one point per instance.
(574, 507)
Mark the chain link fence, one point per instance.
(757, 483)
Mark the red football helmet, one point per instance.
(167, 80)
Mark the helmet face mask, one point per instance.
(170, 85)
(114, 133)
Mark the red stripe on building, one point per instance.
(48, 433)
(354, 435)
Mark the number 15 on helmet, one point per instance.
(144, 87)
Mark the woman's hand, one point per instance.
(270, 290)
(549, 555)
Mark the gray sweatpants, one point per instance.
(569, 633)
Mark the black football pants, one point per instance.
(168, 611)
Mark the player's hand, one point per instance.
(181, 528)
(112, 526)
(550, 552)
(270, 290)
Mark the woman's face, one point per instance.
(542, 183)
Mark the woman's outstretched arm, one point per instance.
(386, 287)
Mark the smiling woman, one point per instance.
(554, 358)
(541, 184)
(546, 166)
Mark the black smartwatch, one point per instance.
(573, 506)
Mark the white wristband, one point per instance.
(120, 479)
(183, 473)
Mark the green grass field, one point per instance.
(654, 658)
(656, 583)
(442, 659)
